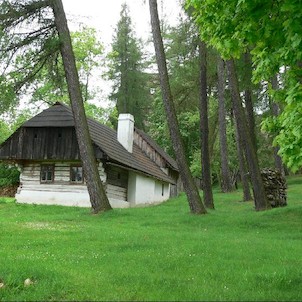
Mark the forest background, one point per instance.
(269, 85)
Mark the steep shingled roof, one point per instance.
(105, 138)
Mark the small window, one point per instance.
(47, 173)
(76, 174)
(162, 189)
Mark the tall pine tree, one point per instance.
(130, 89)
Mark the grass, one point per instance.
(158, 253)
(6, 199)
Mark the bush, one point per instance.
(9, 175)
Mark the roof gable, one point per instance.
(171, 162)
(57, 115)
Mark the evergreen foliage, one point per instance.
(25, 51)
(51, 86)
(126, 69)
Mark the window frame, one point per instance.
(75, 182)
(52, 170)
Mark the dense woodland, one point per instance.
(222, 92)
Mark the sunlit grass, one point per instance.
(156, 253)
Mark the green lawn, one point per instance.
(155, 253)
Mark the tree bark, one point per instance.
(275, 111)
(194, 200)
(204, 129)
(226, 185)
(260, 198)
(248, 98)
(213, 132)
(98, 198)
(247, 196)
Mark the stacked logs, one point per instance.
(275, 187)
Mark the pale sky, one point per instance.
(104, 15)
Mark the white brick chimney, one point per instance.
(125, 129)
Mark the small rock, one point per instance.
(28, 282)
(1, 285)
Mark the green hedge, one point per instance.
(9, 175)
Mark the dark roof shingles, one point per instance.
(105, 138)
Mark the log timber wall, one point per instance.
(61, 191)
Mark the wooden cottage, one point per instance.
(133, 168)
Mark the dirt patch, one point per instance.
(9, 191)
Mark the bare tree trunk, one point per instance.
(98, 198)
(260, 198)
(213, 132)
(248, 98)
(247, 196)
(204, 129)
(226, 184)
(275, 111)
(195, 203)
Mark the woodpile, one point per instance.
(275, 187)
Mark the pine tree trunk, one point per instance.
(247, 196)
(98, 198)
(226, 184)
(249, 107)
(275, 111)
(204, 129)
(213, 132)
(195, 203)
(260, 198)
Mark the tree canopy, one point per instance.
(271, 31)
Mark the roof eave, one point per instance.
(167, 179)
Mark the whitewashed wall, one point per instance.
(143, 190)
(61, 192)
(162, 191)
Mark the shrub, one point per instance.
(9, 175)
